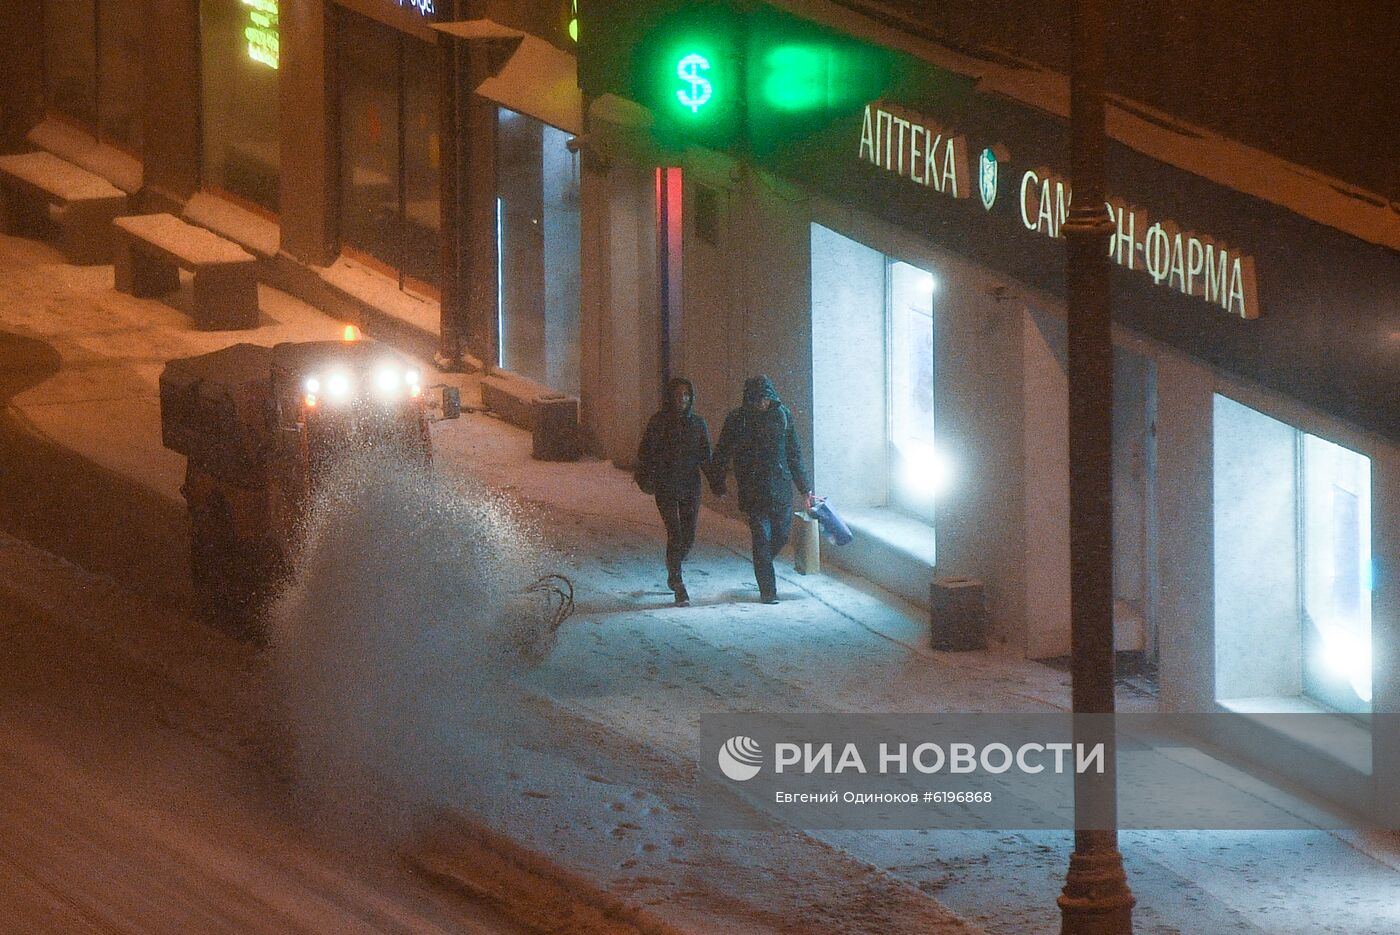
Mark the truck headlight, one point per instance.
(338, 386)
(387, 379)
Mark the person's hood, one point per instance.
(671, 386)
(759, 387)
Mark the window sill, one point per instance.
(890, 549)
(1337, 737)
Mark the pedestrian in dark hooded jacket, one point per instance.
(675, 446)
(761, 439)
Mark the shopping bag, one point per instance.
(806, 544)
(832, 524)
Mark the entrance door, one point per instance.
(390, 209)
(1134, 536)
(537, 235)
(1047, 471)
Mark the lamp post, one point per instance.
(1096, 899)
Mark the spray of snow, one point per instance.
(395, 650)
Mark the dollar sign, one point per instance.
(700, 90)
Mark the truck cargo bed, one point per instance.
(214, 409)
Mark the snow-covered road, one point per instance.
(137, 791)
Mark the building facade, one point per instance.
(353, 144)
(591, 200)
(874, 220)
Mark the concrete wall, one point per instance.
(625, 374)
(307, 195)
(980, 415)
(746, 298)
(1046, 489)
(1184, 568)
(1045, 392)
(710, 297)
(592, 297)
(770, 254)
(1131, 380)
(561, 261)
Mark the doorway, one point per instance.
(390, 151)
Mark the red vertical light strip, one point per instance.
(674, 201)
(663, 276)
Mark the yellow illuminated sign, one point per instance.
(261, 32)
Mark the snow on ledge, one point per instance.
(243, 227)
(82, 149)
(382, 293)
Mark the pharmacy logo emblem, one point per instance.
(987, 178)
(740, 758)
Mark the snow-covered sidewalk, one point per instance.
(650, 671)
(603, 787)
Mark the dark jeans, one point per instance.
(679, 514)
(769, 530)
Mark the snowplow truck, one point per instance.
(260, 427)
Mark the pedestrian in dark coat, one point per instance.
(675, 447)
(761, 439)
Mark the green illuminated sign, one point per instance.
(573, 21)
(261, 32)
(697, 91)
(723, 74)
(687, 67)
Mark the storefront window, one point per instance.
(1292, 563)
(390, 188)
(422, 167)
(873, 378)
(1336, 525)
(121, 26)
(538, 230)
(93, 58)
(239, 58)
(70, 59)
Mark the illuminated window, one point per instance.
(1292, 563)
(538, 235)
(915, 471)
(239, 54)
(1335, 506)
(93, 60)
(390, 170)
(873, 381)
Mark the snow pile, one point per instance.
(395, 650)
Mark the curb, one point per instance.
(528, 887)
